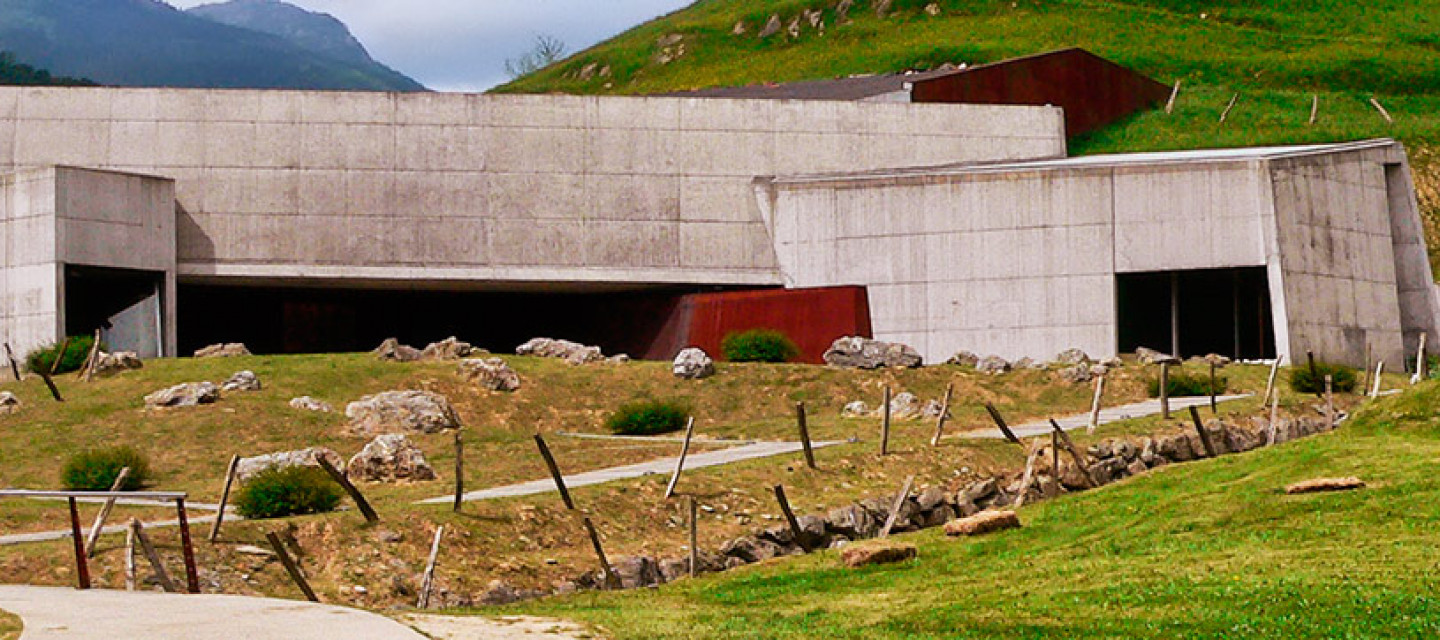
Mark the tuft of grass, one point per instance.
(97, 469)
(10, 626)
(648, 417)
(759, 345)
(285, 491)
(41, 359)
(1182, 383)
(1342, 378)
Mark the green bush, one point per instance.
(1187, 384)
(41, 359)
(96, 469)
(648, 417)
(282, 491)
(758, 345)
(1342, 378)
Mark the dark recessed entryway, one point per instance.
(1195, 312)
(126, 305)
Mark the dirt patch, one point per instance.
(503, 628)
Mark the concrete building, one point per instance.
(305, 221)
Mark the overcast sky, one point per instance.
(462, 45)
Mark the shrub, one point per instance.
(42, 358)
(1342, 378)
(758, 345)
(96, 469)
(648, 417)
(1187, 384)
(282, 491)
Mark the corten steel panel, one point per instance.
(813, 318)
(1093, 91)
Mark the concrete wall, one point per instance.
(30, 280)
(502, 189)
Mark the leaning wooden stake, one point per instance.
(192, 575)
(885, 425)
(790, 518)
(1055, 455)
(1274, 419)
(1074, 454)
(680, 462)
(1213, 408)
(129, 558)
(349, 487)
(1226, 113)
(1095, 405)
(1165, 390)
(804, 435)
(1365, 379)
(1000, 422)
(428, 583)
(1314, 107)
(1419, 362)
(290, 566)
(1174, 93)
(1375, 386)
(59, 355)
(14, 367)
(612, 581)
(82, 566)
(554, 472)
(1381, 108)
(944, 415)
(1329, 401)
(1204, 436)
(1270, 382)
(694, 535)
(156, 565)
(87, 370)
(459, 471)
(230, 472)
(1029, 476)
(100, 518)
(895, 507)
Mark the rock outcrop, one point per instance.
(882, 551)
(307, 403)
(571, 352)
(389, 458)
(392, 350)
(223, 350)
(490, 373)
(864, 353)
(400, 411)
(109, 364)
(187, 394)
(241, 381)
(449, 349)
(248, 467)
(693, 364)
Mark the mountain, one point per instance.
(15, 73)
(150, 43)
(321, 33)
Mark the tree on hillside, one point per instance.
(546, 50)
(16, 73)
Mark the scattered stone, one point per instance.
(395, 411)
(1027, 363)
(750, 549)
(882, 8)
(1325, 484)
(993, 365)
(842, 10)
(223, 350)
(1147, 355)
(241, 381)
(252, 550)
(856, 409)
(1113, 362)
(109, 364)
(307, 403)
(392, 350)
(1072, 356)
(815, 18)
(1216, 359)
(864, 353)
(793, 30)
(621, 358)
(389, 458)
(964, 359)
(904, 406)
(449, 349)
(693, 364)
(983, 522)
(883, 551)
(738, 29)
(9, 403)
(248, 467)
(490, 373)
(186, 394)
(572, 352)
(932, 409)
(1077, 374)
(499, 592)
(932, 9)
(981, 489)
(636, 571)
(772, 26)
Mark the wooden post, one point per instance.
(805, 435)
(1365, 379)
(1381, 108)
(1074, 454)
(1419, 361)
(429, 581)
(1174, 93)
(694, 536)
(554, 472)
(790, 518)
(612, 581)
(290, 566)
(1204, 436)
(82, 566)
(1375, 386)
(1029, 475)
(885, 425)
(944, 415)
(1329, 401)
(1274, 419)
(192, 577)
(349, 487)
(1000, 422)
(1165, 390)
(1270, 383)
(895, 507)
(224, 497)
(14, 368)
(87, 370)
(130, 558)
(1055, 455)
(1095, 405)
(1226, 113)
(50, 384)
(1314, 107)
(59, 355)
(1213, 409)
(1314, 372)
(680, 462)
(459, 471)
(161, 574)
(94, 536)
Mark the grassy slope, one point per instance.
(1206, 549)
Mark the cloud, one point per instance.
(462, 45)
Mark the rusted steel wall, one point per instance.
(813, 318)
(1093, 91)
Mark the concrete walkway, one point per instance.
(1178, 407)
(56, 612)
(664, 466)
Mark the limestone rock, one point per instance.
(1325, 484)
(1150, 356)
(9, 403)
(397, 411)
(842, 10)
(109, 364)
(933, 409)
(905, 406)
(750, 549)
(852, 521)
(882, 8)
(248, 467)
(1077, 374)
(983, 522)
(1216, 359)
(392, 350)
(876, 552)
(186, 394)
(499, 592)
(964, 359)
(449, 349)
(1027, 363)
(693, 364)
(307, 403)
(389, 458)
(856, 409)
(490, 373)
(620, 358)
(738, 29)
(993, 365)
(772, 26)
(864, 353)
(571, 352)
(223, 350)
(1072, 356)
(932, 9)
(242, 381)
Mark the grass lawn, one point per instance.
(10, 626)
(1205, 549)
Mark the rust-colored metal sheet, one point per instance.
(1093, 91)
(813, 318)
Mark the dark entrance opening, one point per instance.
(126, 305)
(1196, 312)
